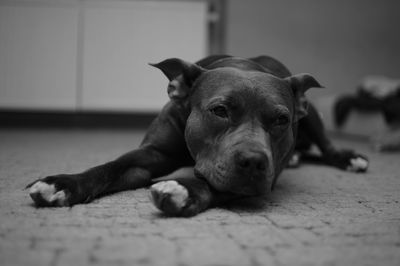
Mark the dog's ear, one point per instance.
(300, 83)
(181, 75)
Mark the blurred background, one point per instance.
(70, 62)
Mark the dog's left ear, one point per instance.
(300, 83)
(181, 75)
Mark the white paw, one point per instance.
(169, 196)
(294, 160)
(46, 194)
(358, 165)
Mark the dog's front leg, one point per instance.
(183, 194)
(344, 159)
(132, 170)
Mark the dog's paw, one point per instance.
(349, 160)
(358, 164)
(294, 160)
(54, 191)
(169, 197)
(44, 194)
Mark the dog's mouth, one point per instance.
(215, 181)
(199, 175)
(220, 182)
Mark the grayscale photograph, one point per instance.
(199, 133)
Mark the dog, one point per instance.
(231, 126)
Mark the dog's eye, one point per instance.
(220, 111)
(282, 120)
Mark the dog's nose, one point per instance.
(252, 162)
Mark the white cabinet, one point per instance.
(120, 39)
(38, 49)
(93, 55)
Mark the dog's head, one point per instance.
(241, 124)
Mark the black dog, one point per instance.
(229, 129)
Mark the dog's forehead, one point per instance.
(251, 85)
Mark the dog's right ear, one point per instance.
(181, 75)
